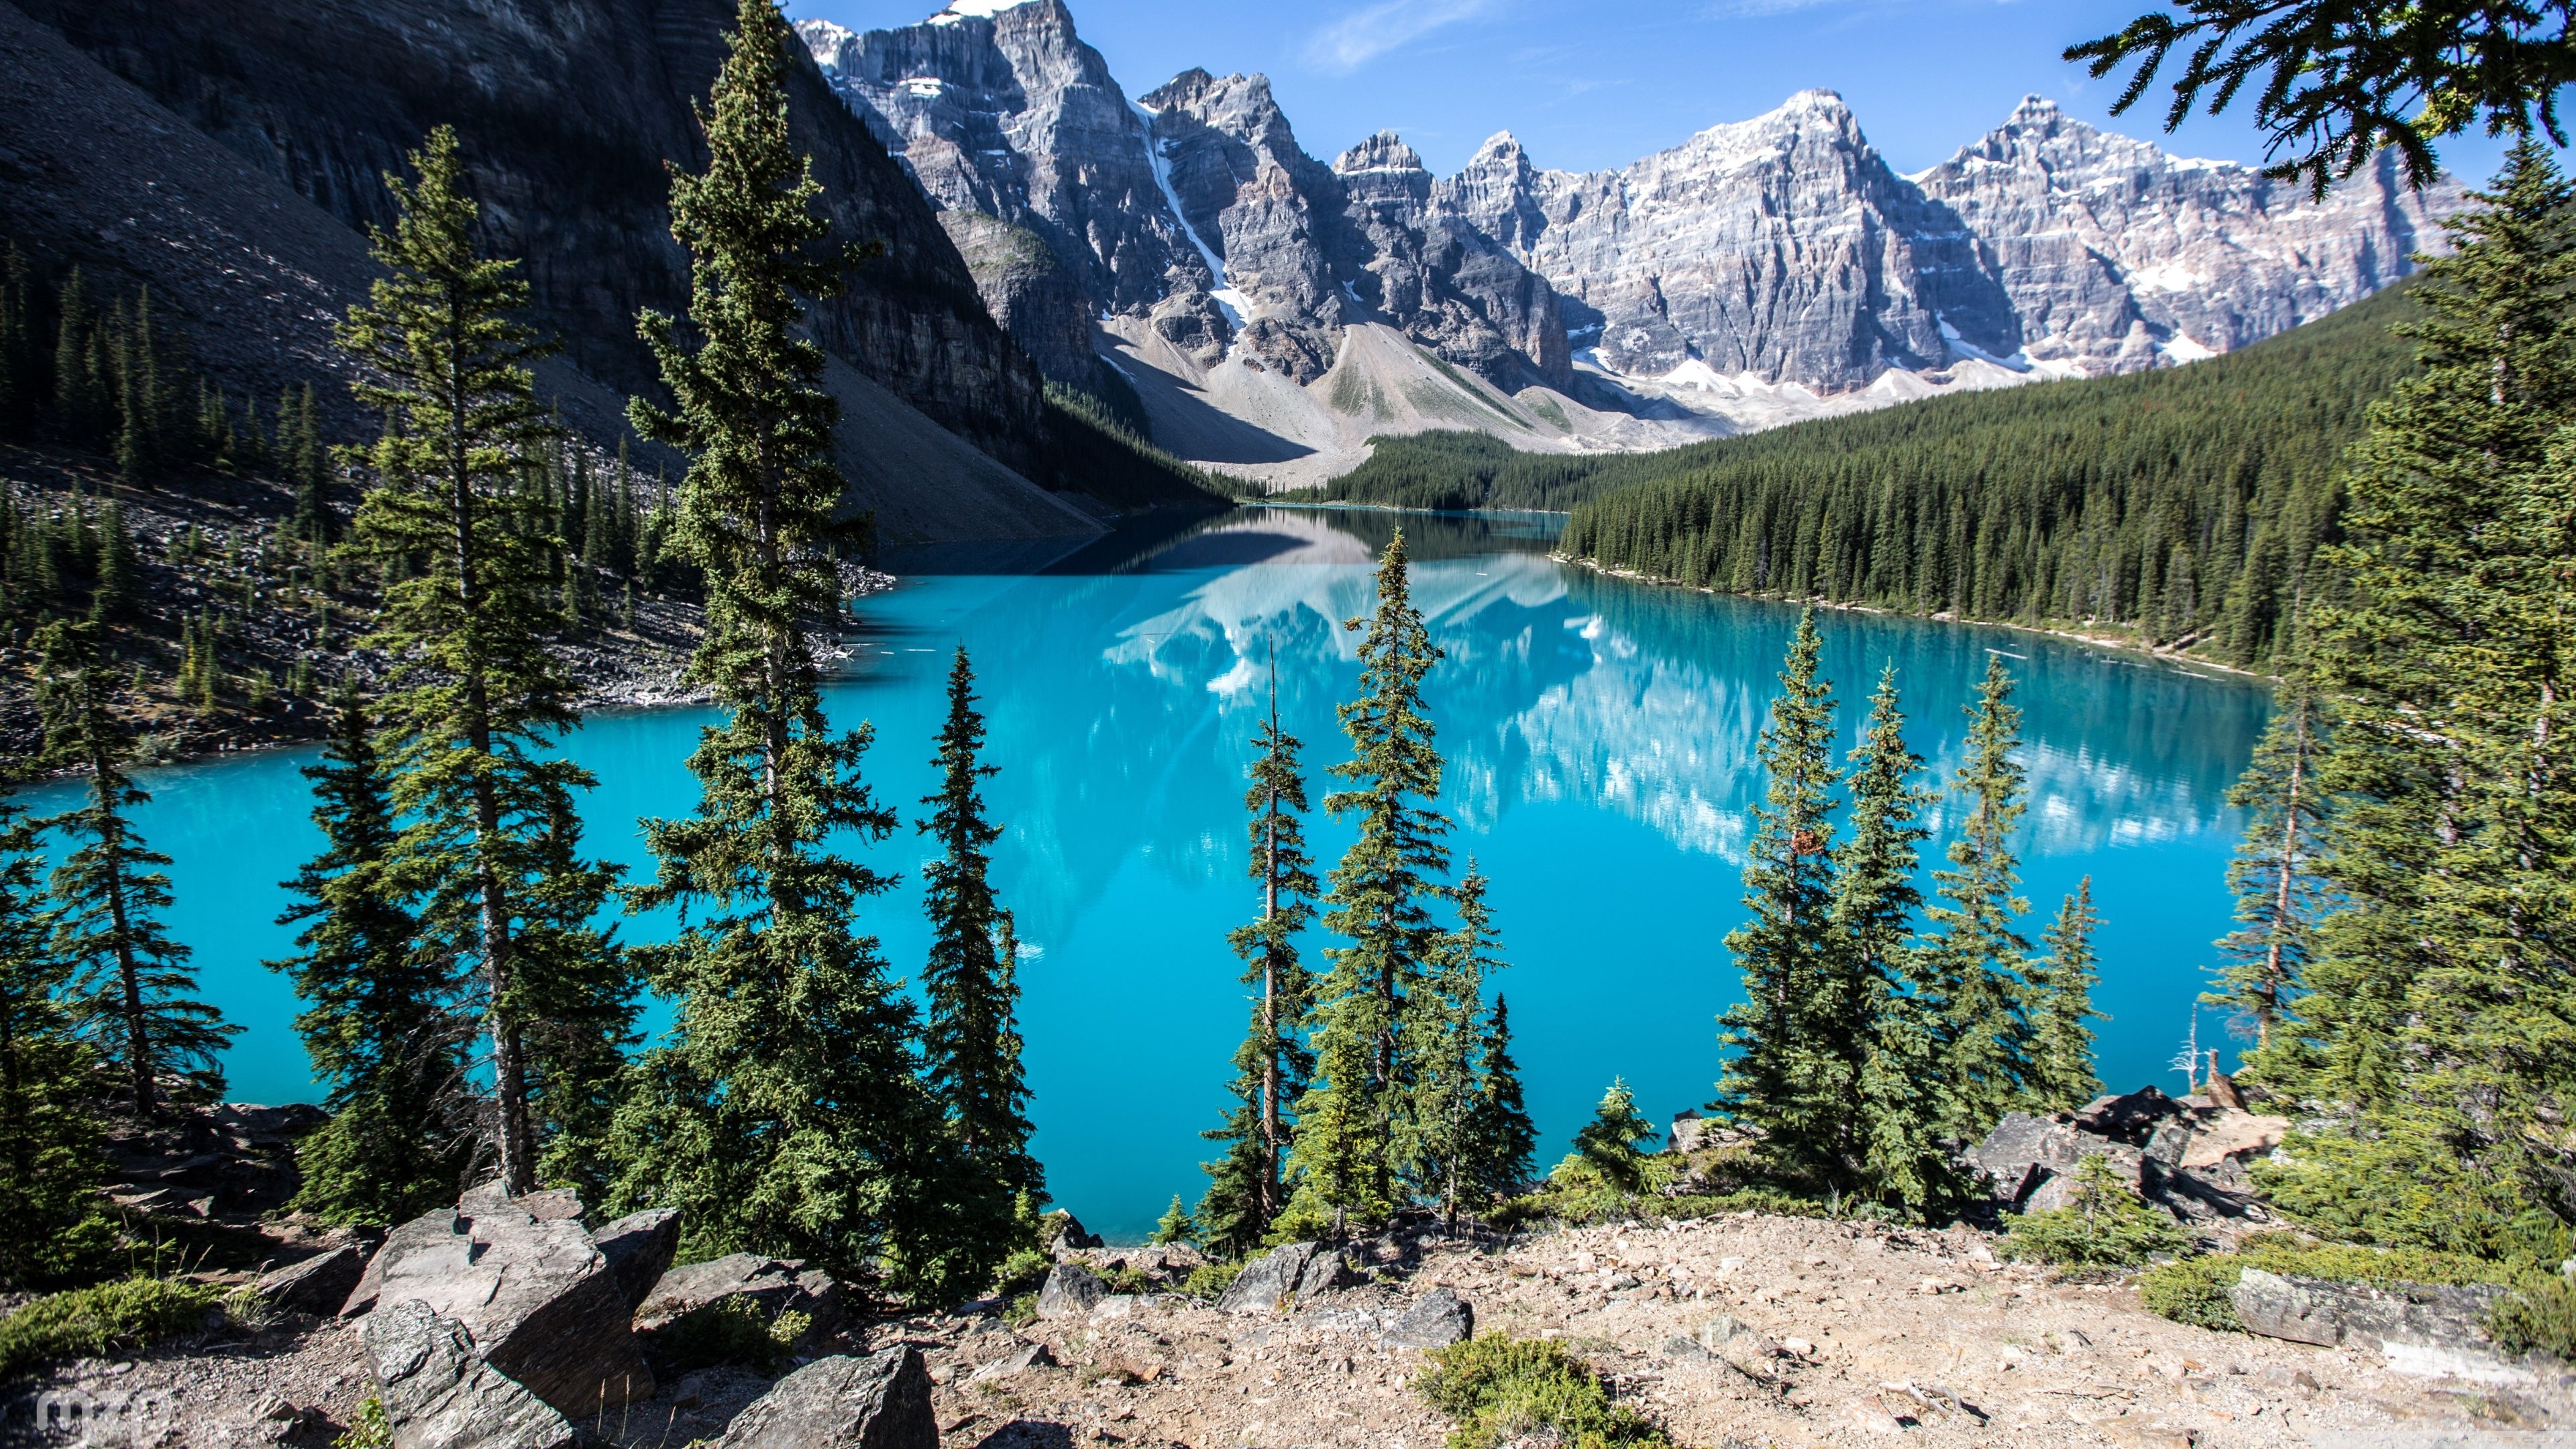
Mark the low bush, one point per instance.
(1210, 1280)
(2194, 1290)
(1589, 1206)
(730, 1330)
(369, 1428)
(2105, 1226)
(1021, 1272)
(1501, 1389)
(2541, 1317)
(87, 1322)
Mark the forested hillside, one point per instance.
(2184, 504)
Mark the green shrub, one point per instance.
(2194, 1290)
(368, 1428)
(1022, 1312)
(1210, 1280)
(2105, 1226)
(2541, 1317)
(87, 1322)
(1125, 1279)
(1500, 1389)
(733, 1330)
(1586, 1207)
(1021, 1272)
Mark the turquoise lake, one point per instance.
(1600, 737)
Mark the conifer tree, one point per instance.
(82, 408)
(1344, 1160)
(1446, 1019)
(1985, 1029)
(23, 384)
(1606, 1149)
(1796, 1036)
(475, 696)
(113, 576)
(380, 1020)
(1175, 1225)
(133, 988)
(307, 467)
(50, 1138)
(2435, 1020)
(970, 1037)
(578, 995)
(1245, 1187)
(1504, 1137)
(2060, 1077)
(2274, 873)
(1890, 1149)
(784, 1115)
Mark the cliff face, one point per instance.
(569, 111)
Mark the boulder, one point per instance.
(2023, 1151)
(1688, 1130)
(1437, 1319)
(878, 1402)
(538, 1301)
(1268, 1281)
(2231, 1137)
(318, 1285)
(1062, 1232)
(426, 1230)
(2421, 1328)
(1324, 1272)
(2057, 1188)
(438, 1393)
(1071, 1291)
(548, 1204)
(1019, 1361)
(776, 1285)
(2131, 1117)
(638, 1248)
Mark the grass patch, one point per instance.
(369, 1428)
(1500, 1389)
(87, 1322)
(1588, 1207)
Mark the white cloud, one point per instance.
(1362, 36)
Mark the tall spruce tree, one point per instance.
(1891, 1148)
(2060, 1076)
(1504, 1139)
(380, 1020)
(1446, 1018)
(1798, 1035)
(1985, 1029)
(2278, 896)
(1271, 1067)
(475, 696)
(51, 1152)
(970, 1036)
(1344, 1160)
(133, 989)
(2438, 1023)
(783, 1116)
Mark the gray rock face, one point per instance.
(2024, 1151)
(1071, 1291)
(1437, 1319)
(318, 1285)
(2420, 1327)
(776, 1285)
(1018, 1361)
(2117, 256)
(538, 1301)
(1420, 261)
(2185, 1157)
(638, 1248)
(878, 1402)
(439, 1393)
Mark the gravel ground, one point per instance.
(1884, 1336)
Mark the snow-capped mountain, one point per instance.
(1761, 271)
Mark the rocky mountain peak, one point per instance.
(1384, 151)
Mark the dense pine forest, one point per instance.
(2184, 505)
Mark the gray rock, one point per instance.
(1437, 1319)
(428, 1228)
(2023, 1151)
(1324, 1272)
(2130, 1117)
(638, 1248)
(1071, 1291)
(1268, 1282)
(537, 1299)
(2056, 1189)
(776, 1285)
(2331, 1315)
(1019, 1361)
(317, 1285)
(878, 1402)
(439, 1393)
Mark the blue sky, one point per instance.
(1587, 85)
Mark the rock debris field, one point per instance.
(1732, 1332)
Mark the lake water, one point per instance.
(1600, 737)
